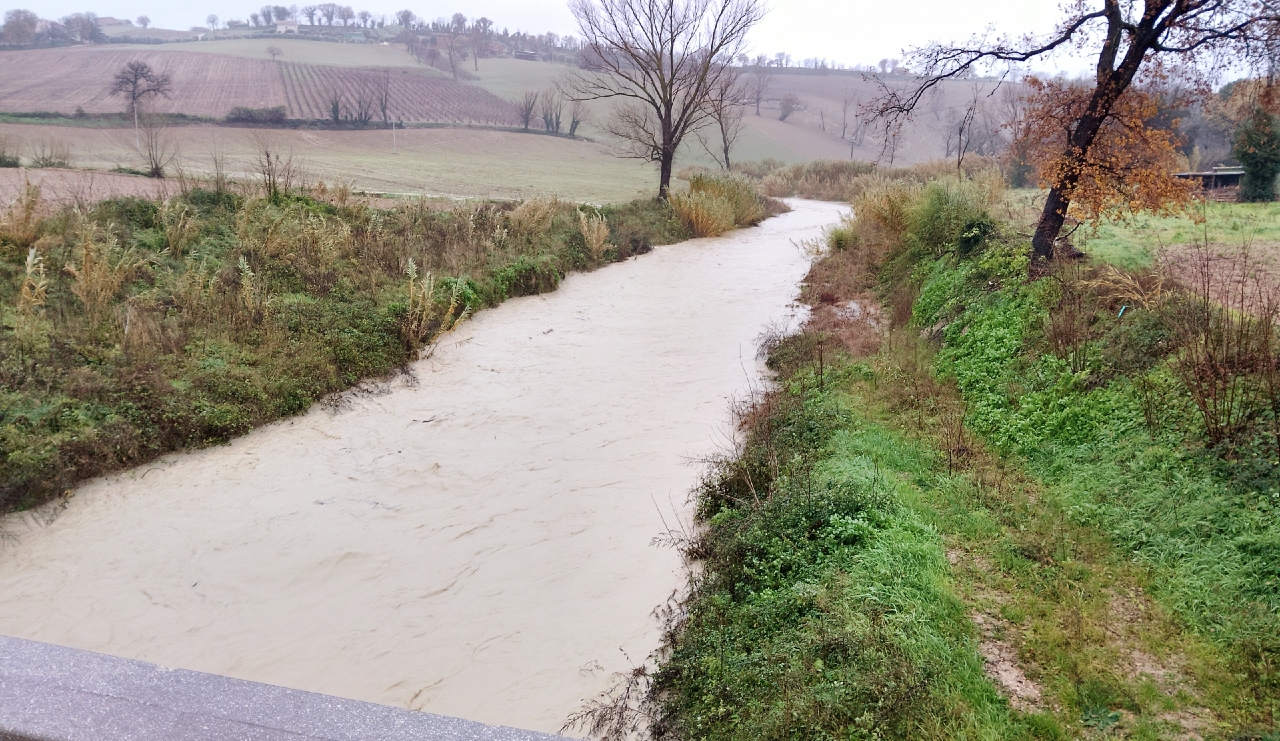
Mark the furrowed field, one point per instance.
(64, 80)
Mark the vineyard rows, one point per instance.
(412, 96)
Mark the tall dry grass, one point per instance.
(714, 204)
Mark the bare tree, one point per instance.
(274, 166)
(1191, 38)
(211, 21)
(848, 103)
(138, 82)
(787, 105)
(346, 14)
(382, 95)
(455, 49)
(157, 149)
(659, 61)
(267, 14)
(759, 79)
(725, 120)
(144, 21)
(336, 104)
(552, 111)
(275, 52)
(480, 39)
(365, 100)
(525, 107)
(310, 12)
(578, 115)
(405, 18)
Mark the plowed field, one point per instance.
(414, 97)
(62, 80)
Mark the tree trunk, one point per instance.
(664, 174)
(1051, 220)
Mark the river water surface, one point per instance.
(477, 543)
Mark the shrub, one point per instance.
(1257, 147)
(703, 214)
(746, 204)
(9, 153)
(260, 116)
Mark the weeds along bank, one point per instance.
(133, 328)
(1009, 506)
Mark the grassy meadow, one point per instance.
(1135, 242)
(450, 162)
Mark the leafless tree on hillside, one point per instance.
(275, 52)
(480, 39)
(138, 82)
(848, 103)
(309, 11)
(552, 111)
(365, 100)
(525, 106)
(759, 78)
(787, 105)
(143, 21)
(659, 61)
(577, 116)
(725, 120)
(336, 104)
(455, 50)
(382, 94)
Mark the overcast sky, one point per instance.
(850, 31)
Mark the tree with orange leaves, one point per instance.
(1128, 167)
(1125, 37)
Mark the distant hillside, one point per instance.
(210, 78)
(66, 79)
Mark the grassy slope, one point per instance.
(1124, 573)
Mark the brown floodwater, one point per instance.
(476, 542)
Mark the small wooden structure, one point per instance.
(1218, 183)
(1218, 177)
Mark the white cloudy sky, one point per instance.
(848, 31)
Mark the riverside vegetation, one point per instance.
(133, 328)
(1021, 501)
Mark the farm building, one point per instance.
(287, 27)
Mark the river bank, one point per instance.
(475, 542)
(1002, 519)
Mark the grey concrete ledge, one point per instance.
(52, 693)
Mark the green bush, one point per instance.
(1257, 147)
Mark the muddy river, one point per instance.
(476, 541)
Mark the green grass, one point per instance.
(1133, 243)
(888, 523)
(823, 609)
